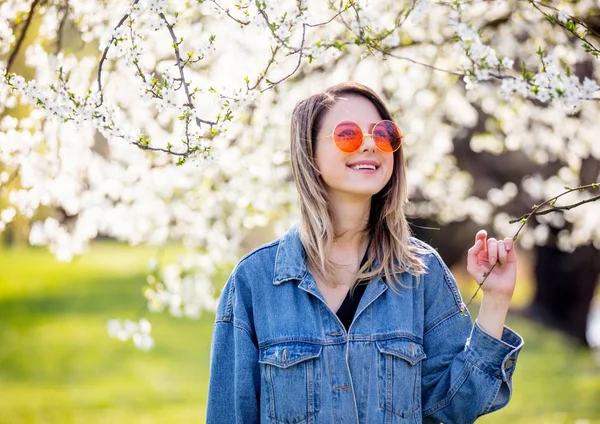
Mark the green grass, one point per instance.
(58, 365)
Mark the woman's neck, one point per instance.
(350, 220)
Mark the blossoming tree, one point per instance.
(150, 120)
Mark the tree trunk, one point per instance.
(565, 284)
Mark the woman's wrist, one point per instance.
(492, 314)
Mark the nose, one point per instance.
(368, 143)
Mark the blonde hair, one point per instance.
(387, 226)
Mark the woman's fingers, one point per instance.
(492, 248)
(501, 252)
(511, 255)
(482, 235)
(472, 256)
(486, 253)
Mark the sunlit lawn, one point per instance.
(58, 365)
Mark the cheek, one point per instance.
(328, 158)
(389, 167)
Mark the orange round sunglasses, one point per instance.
(348, 136)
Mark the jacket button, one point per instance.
(509, 363)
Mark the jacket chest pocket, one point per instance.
(291, 379)
(399, 376)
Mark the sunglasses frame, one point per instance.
(366, 135)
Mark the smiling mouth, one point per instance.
(362, 166)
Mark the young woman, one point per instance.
(307, 332)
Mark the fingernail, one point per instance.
(508, 245)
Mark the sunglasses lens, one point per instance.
(387, 136)
(347, 136)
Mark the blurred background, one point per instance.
(94, 229)
(58, 365)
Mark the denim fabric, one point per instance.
(281, 355)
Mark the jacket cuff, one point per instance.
(497, 357)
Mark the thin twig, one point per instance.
(525, 218)
(426, 65)
(160, 149)
(61, 26)
(10, 179)
(332, 18)
(21, 38)
(231, 16)
(105, 53)
(300, 54)
(185, 84)
(536, 212)
(552, 19)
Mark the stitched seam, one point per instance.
(229, 309)
(235, 324)
(258, 249)
(276, 262)
(445, 316)
(341, 339)
(453, 288)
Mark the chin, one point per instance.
(363, 191)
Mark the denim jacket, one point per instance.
(279, 354)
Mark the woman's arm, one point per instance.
(468, 369)
(234, 383)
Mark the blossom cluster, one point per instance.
(549, 83)
(138, 331)
(184, 289)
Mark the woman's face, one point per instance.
(336, 167)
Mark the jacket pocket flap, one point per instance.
(284, 355)
(409, 351)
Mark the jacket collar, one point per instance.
(290, 261)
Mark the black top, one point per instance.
(348, 308)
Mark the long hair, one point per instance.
(387, 226)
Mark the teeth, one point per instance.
(362, 166)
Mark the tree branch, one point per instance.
(105, 53)
(185, 84)
(21, 38)
(10, 179)
(226, 11)
(525, 218)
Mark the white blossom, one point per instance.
(563, 16)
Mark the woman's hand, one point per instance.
(500, 283)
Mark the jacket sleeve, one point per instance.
(467, 372)
(234, 382)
